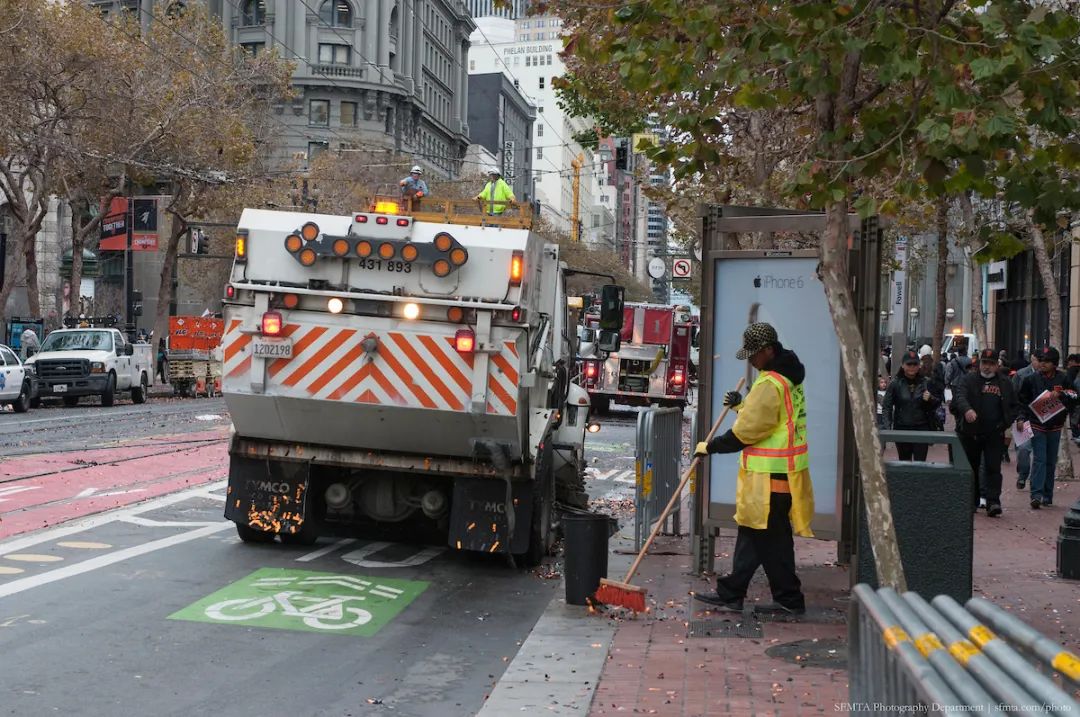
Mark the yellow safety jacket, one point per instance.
(772, 422)
(496, 196)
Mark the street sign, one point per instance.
(680, 269)
(657, 268)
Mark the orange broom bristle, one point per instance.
(624, 595)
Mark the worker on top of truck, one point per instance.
(496, 195)
(414, 187)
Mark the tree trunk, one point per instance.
(11, 278)
(834, 276)
(942, 271)
(1057, 338)
(33, 290)
(78, 241)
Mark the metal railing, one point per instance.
(471, 212)
(907, 654)
(657, 462)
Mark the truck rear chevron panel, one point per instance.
(407, 369)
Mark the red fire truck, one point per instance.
(652, 365)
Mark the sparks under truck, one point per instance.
(402, 372)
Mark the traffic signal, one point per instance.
(203, 246)
(621, 154)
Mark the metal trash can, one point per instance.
(586, 554)
(933, 514)
(1068, 545)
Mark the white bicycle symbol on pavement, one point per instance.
(324, 613)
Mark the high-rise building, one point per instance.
(486, 8)
(384, 73)
(501, 120)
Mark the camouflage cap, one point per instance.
(756, 337)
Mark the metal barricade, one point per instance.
(657, 461)
(907, 654)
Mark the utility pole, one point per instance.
(129, 264)
(575, 215)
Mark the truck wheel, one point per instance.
(252, 535)
(541, 533)
(22, 403)
(109, 396)
(71, 401)
(139, 394)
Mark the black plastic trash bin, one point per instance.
(586, 555)
(932, 513)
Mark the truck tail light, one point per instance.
(517, 315)
(517, 268)
(290, 301)
(590, 369)
(271, 323)
(677, 377)
(230, 291)
(465, 341)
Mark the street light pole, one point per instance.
(129, 264)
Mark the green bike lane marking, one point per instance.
(308, 601)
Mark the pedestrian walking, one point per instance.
(1024, 367)
(909, 405)
(162, 361)
(882, 385)
(986, 407)
(774, 496)
(1046, 421)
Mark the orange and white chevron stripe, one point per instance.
(408, 369)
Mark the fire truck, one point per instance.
(652, 365)
(401, 371)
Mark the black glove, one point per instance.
(732, 398)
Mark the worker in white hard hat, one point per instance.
(413, 187)
(496, 195)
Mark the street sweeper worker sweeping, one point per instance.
(774, 497)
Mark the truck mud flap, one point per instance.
(478, 516)
(267, 495)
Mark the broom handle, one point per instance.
(678, 491)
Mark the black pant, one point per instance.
(985, 451)
(772, 549)
(912, 451)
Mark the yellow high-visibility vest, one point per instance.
(785, 450)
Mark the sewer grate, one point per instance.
(716, 627)
(829, 653)
(813, 615)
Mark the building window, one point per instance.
(253, 48)
(336, 13)
(540, 110)
(516, 83)
(314, 149)
(541, 83)
(539, 152)
(549, 59)
(348, 114)
(254, 13)
(540, 23)
(539, 130)
(334, 54)
(525, 25)
(528, 61)
(472, 65)
(319, 113)
(524, 37)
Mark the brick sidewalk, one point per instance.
(656, 667)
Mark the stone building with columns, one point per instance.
(369, 74)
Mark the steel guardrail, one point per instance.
(657, 468)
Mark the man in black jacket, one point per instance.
(985, 407)
(909, 405)
(1046, 431)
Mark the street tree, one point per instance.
(869, 87)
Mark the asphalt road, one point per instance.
(156, 608)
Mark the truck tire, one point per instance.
(305, 536)
(109, 396)
(71, 401)
(139, 393)
(22, 403)
(541, 530)
(252, 535)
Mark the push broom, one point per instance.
(632, 597)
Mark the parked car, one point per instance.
(16, 387)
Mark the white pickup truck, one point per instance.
(90, 362)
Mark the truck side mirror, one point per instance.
(129, 350)
(609, 342)
(611, 307)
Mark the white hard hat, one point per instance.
(925, 350)
(416, 169)
(493, 170)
